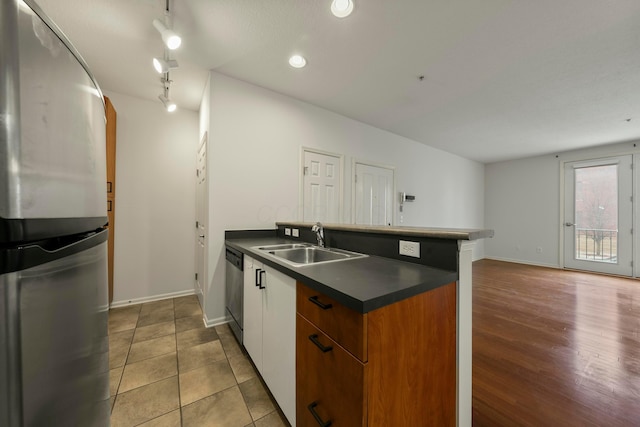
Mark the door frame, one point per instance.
(635, 191)
(304, 150)
(205, 208)
(355, 162)
(635, 205)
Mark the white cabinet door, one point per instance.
(279, 340)
(252, 312)
(270, 330)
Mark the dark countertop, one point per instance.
(362, 284)
(439, 233)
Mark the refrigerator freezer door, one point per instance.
(56, 348)
(52, 156)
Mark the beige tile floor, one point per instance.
(167, 369)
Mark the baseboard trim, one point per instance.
(209, 323)
(160, 297)
(519, 261)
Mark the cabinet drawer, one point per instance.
(344, 325)
(328, 379)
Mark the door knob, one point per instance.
(569, 224)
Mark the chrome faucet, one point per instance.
(317, 228)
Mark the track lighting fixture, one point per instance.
(168, 104)
(164, 96)
(164, 65)
(170, 38)
(341, 8)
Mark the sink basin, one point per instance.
(304, 254)
(284, 246)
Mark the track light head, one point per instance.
(170, 38)
(168, 104)
(164, 65)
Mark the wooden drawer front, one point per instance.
(332, 379)
(345, 326)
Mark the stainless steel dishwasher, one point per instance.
(235, 290)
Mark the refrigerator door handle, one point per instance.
(31, 255)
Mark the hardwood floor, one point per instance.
(554, 347)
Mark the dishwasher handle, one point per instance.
(235, 257)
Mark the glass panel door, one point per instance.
(598, 216)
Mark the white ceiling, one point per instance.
(503, 79)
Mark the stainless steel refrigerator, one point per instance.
(54, 351)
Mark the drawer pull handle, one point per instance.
(323, 306)
(311, 408)
(314, 339)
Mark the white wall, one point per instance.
(522, 204)
(255, 140)
(155, 200)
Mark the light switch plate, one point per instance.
(296, 232)
(411, 249)
(287, 232)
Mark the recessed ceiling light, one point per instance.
(341, 8)
(297, 61)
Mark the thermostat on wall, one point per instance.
(404, 197)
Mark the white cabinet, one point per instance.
(252, 312)
(270, 330)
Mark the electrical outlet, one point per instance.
(287, 232)
(296, 232)
(411, 249)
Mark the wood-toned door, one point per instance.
(111, 186)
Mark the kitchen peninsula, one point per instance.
(377, 340)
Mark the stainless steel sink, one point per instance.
(304, 254)
(284, 246)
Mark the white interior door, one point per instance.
(598, 214)
(373, 195)
(322, 187)
(201, 219)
